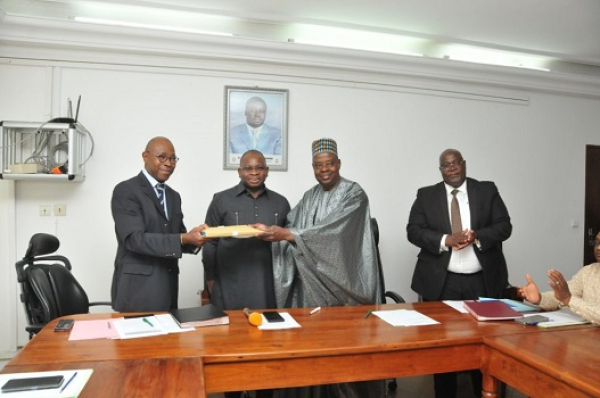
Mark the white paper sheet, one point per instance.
(288, 323)
(170, 326)
(457, 305)
(133, 328)
(405, 318)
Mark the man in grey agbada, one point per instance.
(326, 256)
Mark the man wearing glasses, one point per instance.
(459, 225)
(151, 235)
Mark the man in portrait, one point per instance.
(255, 134)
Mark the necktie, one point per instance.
(160, 188)
(255, 137)
(455, 213)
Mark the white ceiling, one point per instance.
(565, 30)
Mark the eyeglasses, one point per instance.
(319, 166)
(249, 169)
(446, 166)
(163, 158)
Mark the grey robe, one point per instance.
(332, 263)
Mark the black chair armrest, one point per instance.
(34, 329)
(101, 303)
(395, 296)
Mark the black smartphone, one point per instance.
(64, 325)
(273, 316)
(33, 383)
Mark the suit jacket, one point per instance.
(429, 220)
(269, 141)
(149, 246)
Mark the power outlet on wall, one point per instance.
(60, 210)
(45, 210)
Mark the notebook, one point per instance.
(206, 315)
(491, 310)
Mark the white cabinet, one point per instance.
(43, 151)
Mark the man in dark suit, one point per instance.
(151, 235)
(461, 250)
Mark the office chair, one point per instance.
(389, 294)
(48, 289)
(392, 384)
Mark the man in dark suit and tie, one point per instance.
(459, 225)
(151, 235)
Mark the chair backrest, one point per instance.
(384, 294)
(375, 228)
(48, 289)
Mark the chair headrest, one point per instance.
(41, 244)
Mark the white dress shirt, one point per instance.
(461, 261)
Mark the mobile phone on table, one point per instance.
(33, 383)
(273, 316)
(64, 325)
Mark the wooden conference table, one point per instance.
(337, 344)
(560, 363)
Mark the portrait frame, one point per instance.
(272, 134)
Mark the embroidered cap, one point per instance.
(324, 145)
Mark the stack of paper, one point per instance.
(563, 317)
(139, 327)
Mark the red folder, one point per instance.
(491, 310)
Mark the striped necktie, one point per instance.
(160, 188)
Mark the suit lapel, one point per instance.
(169, 197)
(472, 194)
(443, 205)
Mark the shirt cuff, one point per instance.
(443, 247)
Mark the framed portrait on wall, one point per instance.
(255, 118)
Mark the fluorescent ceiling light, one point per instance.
(494, 57)
(353, 46)
(148, 26)
(355, 39)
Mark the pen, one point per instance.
(368, 313)
(68, 382)
(148, 322)
(314, 311)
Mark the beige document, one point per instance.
(231, 231)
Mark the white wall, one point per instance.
(529, 141)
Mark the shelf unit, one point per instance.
(46, 145)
